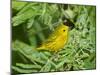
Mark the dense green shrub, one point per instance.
(30, 24)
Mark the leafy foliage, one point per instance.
(31, 24)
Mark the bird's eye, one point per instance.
(63, 30)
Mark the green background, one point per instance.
(31, 24)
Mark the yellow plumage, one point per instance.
(57, 39)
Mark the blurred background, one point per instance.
(31, 24)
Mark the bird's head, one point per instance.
(64, 27)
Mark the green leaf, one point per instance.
(18, 5)
(17, 20)
(27, 66)
(23, 70)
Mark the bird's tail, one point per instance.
(41, 48)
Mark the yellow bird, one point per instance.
(58, 38)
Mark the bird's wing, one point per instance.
(51, 39)
(50, 42)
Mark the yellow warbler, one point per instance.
(58, 38)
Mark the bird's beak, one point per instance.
(69, 24)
